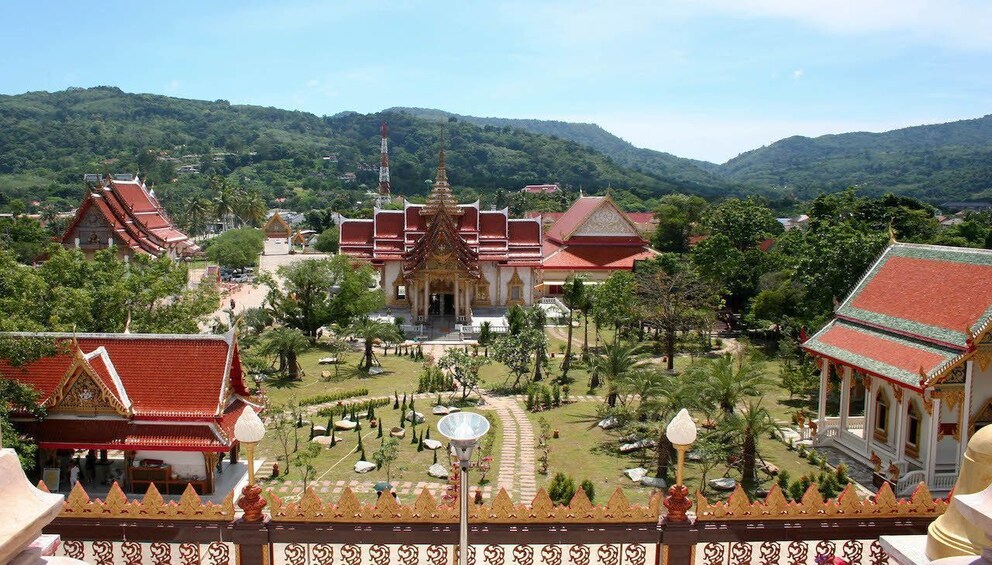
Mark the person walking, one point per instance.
(73, 475)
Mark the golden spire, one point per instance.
(892, 231)
(441, 178)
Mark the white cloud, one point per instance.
(798, 74)
(172, 86)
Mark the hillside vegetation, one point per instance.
(49, 140)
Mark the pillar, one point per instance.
(869, 430)
(931, 450)
(965, 408)
(821, 413)
(845, 397)
(458, 301)
(900, 427)
(427, 296)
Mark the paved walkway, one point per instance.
(408, 491)
(517, 458)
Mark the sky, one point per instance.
(706, 79)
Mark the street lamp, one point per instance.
(681, 431)
(249, 430)
(463, 430)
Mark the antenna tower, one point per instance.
(385, 188)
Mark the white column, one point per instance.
(869, 429)
(900, 429)
(821, 414)
(845, 397)
(965, 408)
(458, 300)
(931, 451)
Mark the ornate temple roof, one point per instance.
(148, 387)
(918, 311)
(135, 219)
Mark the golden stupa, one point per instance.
(951, 534)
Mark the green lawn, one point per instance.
(338, 462)
(400, 374)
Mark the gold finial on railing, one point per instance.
(426, 509)
(152, 507)
(812, 506)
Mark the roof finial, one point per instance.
(442, 173)
(892, 231)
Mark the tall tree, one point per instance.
(369, 330)
(726, 381)
(618, 361)
(573, 296)
(17, 397)
(285, 344)
(672, 298)
(614, 301)
(744, 222)
(745, 430)
(678, 215)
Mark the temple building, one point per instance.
(123, 213)
(164, 404)
(905, 375)
(443, 258)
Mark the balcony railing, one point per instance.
(312, 531)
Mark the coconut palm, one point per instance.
(619, 359)
(285, 344)
(370, 330)
(745, 429)
(196, 214)
(224, 201)
(250, 208)
(661, 395)
(725, 381)
(573, 296)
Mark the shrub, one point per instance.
(590, 490)
(562, 489)
(333, 397)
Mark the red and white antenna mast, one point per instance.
(385, 189)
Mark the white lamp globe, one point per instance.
(249, 427)
(681, 430)
(463, 429)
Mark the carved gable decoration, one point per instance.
(82, 391)
(93, 230)
(607, 220)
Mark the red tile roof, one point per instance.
(590, 258)
(164, 376)
(356, 232)
(573, 218)
(57, 433)
(135, 217)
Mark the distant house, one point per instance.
(348, 177)
(120, 212)
(976, 206)
(541, 188)
(792, 223)
(277, 227)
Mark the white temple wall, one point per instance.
(488, 270)
(185, 464)
(981, 387)
(390, 271)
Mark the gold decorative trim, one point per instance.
(897, 392)
(152, 507)
(426, 509)
(813, 507)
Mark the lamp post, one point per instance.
(249, 430)
(681, 431)
(463, 430)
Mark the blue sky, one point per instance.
(706, 79)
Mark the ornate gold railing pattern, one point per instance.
(814, 507)
(150, 507)
(348, 509)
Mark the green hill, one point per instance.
(49, 140)
(951, 161)
(698, 176)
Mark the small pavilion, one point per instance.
(167, 403)
(905, 375)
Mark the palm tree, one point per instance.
(536, 319)
(251, 208)
(745, 429)
(225, 197)
(585, 306)
(573, 296)
(285, 344)
(370, 330)
(726, 380)
(196, 214)
(618, 360)
(661, 395)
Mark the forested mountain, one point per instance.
(49, 140)
(700, 175)
(951, 161)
